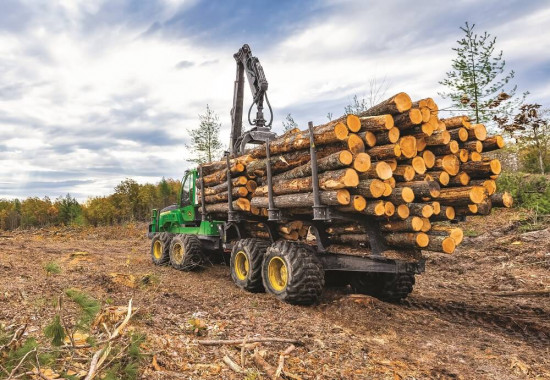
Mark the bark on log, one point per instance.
(404, 173)
(459, 134)
(238, 181)
(421, 144)
(451, 148)
(398, 103)
(331, 162)
(370, 188)
(493, 143)
(374, 208)
(437, 207)
(376, 123)
(456, 122)
(211, 167)
(379, 170)
(460, 196)
(357, 204)
(389, 137)
(346, 229)
(502, 200)
(489, 184)
(442, 177)
(462, 155)
(477, 131)
(331, 180)
(438, 138)
(369, 138)
(331, 132)
(423, 210)
(407, 240)
(445, 244)
(392, 162)
(422, 189)
(441, 230)
(408, 119)
(330, 198)
(237, 192)
(412, 224)
(241, 204)
(383, 152)
(473, 146)
(401, 195)
(461, 179)
(481, 169)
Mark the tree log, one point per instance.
(493, 143)
(429, 158)
(462, 155)
(477, 131)
(461, 179)
(353, 123)
(398, 103)
(481, 169)
(382, 152)
(412, 224)
(423, 210)
(355, 143)
(442, 177)
(442, 230)
(389, 209)
(449, 163)
(379, 170)
(330, 198)
(241, 204)
(238, 181)
(331, 180)
(331, 162)
(404, 173)
(357, 204)
(361, 162)
(401, 195)
(422, 189)
(456, 122)
(460, 196)
(473, 146)
(459, 134)
(237, 192)
(408, 146)
(407, 240)
(451, 148)
(374, 208)
(489, 184)
(370, 188)
(388, 137)
(502, 200)
(376, 123)
(211, 167)
(444, 244)
(408, 119)
(350, 238)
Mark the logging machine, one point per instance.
(184, 234)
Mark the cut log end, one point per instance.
(403, 211)
(341, 131)
(389, 209)
(383, 170)
(402, 102)
(408, 146)
(346, 157)
(422, 240)
(353, 122)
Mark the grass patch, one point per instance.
(51, 267)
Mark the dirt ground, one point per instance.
(453, 326)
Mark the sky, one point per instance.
(96, 91)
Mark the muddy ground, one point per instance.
(454, 324)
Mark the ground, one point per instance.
(455, 324)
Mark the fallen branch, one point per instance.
(522, 293)
(249, 340)
(231, 364)
(282, 357)
(265, 366)
(14, 371)
(97, 360)
(16, 336)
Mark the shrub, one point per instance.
(530, 191)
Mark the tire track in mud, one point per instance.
(528, 323)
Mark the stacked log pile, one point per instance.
(397, 163)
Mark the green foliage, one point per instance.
(55, 331)
(289, 123)
(126, 366)
(51, 267)
(530, 191)
(14, 356)
(478, 84)
(69, 210)
(205, 139)
(88, 305)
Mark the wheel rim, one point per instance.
(277, 273)
(242, 266)
(157, 250)
(178, 253)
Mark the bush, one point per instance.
(530, 191)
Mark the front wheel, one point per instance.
(160, 248)
(292, 272)
(185, 252)
(246, 264)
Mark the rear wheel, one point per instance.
(246, 264)
(160, 248)
(185, 252)
(386, 286)
(293, 273)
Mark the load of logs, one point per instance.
(397, 163)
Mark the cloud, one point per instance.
(96, 91)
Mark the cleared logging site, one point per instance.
(384, 184)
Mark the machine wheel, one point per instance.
(185, 252)
(160, 248)
(246, 264)
(385, 286)
(293, 273)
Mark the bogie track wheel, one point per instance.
(292, 272)
(246, 264)
(160, 248)
(185, 252)
(391, 287)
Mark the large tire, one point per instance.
(186, 252)
(293, 273)
(246, 264)
(160, 248)
(385, 286)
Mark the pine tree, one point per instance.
(289, 123)
(478, 84)
(205, 139)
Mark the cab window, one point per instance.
(186, 190)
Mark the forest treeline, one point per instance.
(130, 201)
